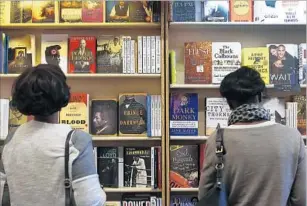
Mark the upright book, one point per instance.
(215, 11)
(43, 11)
(182, 11)
(241, 10)
(70, 11)
(302, 63)
(92, 11)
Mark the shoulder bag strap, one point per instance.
(220, 152)
(67, 181)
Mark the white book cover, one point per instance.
(120, 167)
(124, 54)
(276, 107)
(4, 118)
(128, 49)
(302, 63)
(272, 11)
(145, 70)
(226, 58)
(217, 111)
(148, 61)
(132, 56)
(158, 55)
(54, 50)
(153, 54)
(140, 54)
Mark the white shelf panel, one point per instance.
(184, 189)
(129, 189)
(209, 86)
(188, 138)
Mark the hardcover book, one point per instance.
(54, 49)
(76, 112)
(103, 117)
(198, 62)
(133, 114)
(184, 114)
(16, 12)
(186, 200)
(215, 11)
(276, 107)
(258, 59)
(92, 11)
(16, 118)
(82, 54)
(284, 65)
(43, 12)
(137, 167)
(226, 58)
(302, 63)
(241, 10)
(136, 200)
(109, 54)
(184, 166)
(71, 11)
(216, 111)
(26, 11)
(182, 11)
(301, 113)
(140, 11)
(112, 203)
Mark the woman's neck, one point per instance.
(51, 119)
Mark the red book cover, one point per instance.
(202, 152)
(82, 54)
(92, 11)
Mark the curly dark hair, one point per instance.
(40, 91)
(242, 85)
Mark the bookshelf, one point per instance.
(105, 85)
(250, 34)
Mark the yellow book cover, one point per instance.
(76, 112)
(258, 59)
(5, 12)
(43, 12)
(26, 7)
(112, 203)
(16, 118)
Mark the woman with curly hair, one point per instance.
(32, 161)
(254, 161)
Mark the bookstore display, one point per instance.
(145, 79)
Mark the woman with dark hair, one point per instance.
(32, 161)
(264, 162)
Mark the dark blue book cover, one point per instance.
(183, 11)
(184, 114)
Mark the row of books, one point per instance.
(184, 113)
(137, 200)
(136, 167)
(266, 11)
(137, 114)
(83, 54)
(79, 11)
(209, 62)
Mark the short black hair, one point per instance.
(40, 91)
(242, 85)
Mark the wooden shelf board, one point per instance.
(209, 86)
(72, 76)
(128, 189)
(188, 138)
(184, 189)
(123, 138)
(66, 26)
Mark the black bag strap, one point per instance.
(67, 181)
(220, 152)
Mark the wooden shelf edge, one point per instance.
(210, 86)
(124, 138)
(86, 25)
(72, 76)
(184, 189)
(188, 138)
(125, 190)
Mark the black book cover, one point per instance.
(136, 199)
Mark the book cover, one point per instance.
(107, 166)
(136, 199)
(184, 166)
(226, 58)
(216, 111)
(183, 114)
(16, 118)
(186, 200)
(140, 11)
(198, 62)
(5, 12)
(20, 53)
(276, 107)
(301, 113)
(283, 61)
(215, 11)
(241, 10)
(133, 114)
(54, 50)
(82, 54)
(183, 11)
(16, 12)
(43, 12)
(117, 11)
(137, 167)
(4, 118)
(92, 11)
(112, 203)
(103, 117)
(76, 112)
(71, 11)
(109, 54)
(258, 59)
(26, 11)
(302, 63)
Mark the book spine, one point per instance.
(140, 54)
(148, 58)
(156, 168)
(159, 168)
(120, 167)
(159, 116)
(153, 201)
(6, 55)
(4, 123)
(132, 57)
(153, 54)
(148, 99)
(302, 61)
(95, 158)
(144, 54)
(124, 55)
(152, 167)
(128, 54)
(295, 115)
(158, 55)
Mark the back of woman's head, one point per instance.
(242, 86)
(40, 91)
